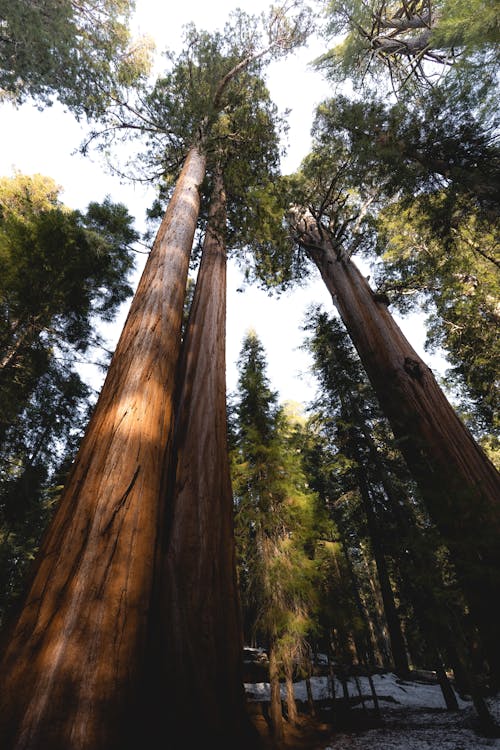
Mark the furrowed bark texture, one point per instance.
(203, 659)
(460, 485)
(71, 673)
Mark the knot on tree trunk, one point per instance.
(413, 368)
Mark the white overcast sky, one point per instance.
(45, 142)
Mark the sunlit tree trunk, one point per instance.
(291, 703)
(73, 671)
(201, 614)
(460, 485)
(275, 709)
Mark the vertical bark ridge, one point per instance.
(204, 641)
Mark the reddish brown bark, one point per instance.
(275, 706)
(291, 703)
(71, 674)
(460, 485)
(203, 644)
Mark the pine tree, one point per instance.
(273, 510)
(64, 270)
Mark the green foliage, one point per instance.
(61, 267)
(195, 101)
(414, 147)
(213, 95)
(399, 45)
(79, 52)
(458, 283)
(467, 25)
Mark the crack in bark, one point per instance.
(122, 500)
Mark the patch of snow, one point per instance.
(388, 687)
(414, 715)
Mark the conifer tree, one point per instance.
(273, 511)
(63, 270)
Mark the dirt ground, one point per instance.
(310, 734)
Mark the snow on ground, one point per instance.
(388, 687)
(414, 716)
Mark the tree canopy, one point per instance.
(78, 52)
(399, 44)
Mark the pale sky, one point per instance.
(45, 142)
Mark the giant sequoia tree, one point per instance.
(353, 433)
(459, 483)
(67, 680)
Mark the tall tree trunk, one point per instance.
(398, 645)
(291, 703)
(375, 642)
(275, 709)
(461, 487)
(74, 667)
(202, 632)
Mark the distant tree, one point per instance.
(347, 414)
(273, 512)
(79, 53)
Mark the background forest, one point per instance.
(152, 527)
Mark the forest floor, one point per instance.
(413, 716)
(410, 729)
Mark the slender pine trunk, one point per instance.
(291, 703)
(275, 710)
(398, 644)
(74, 670)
